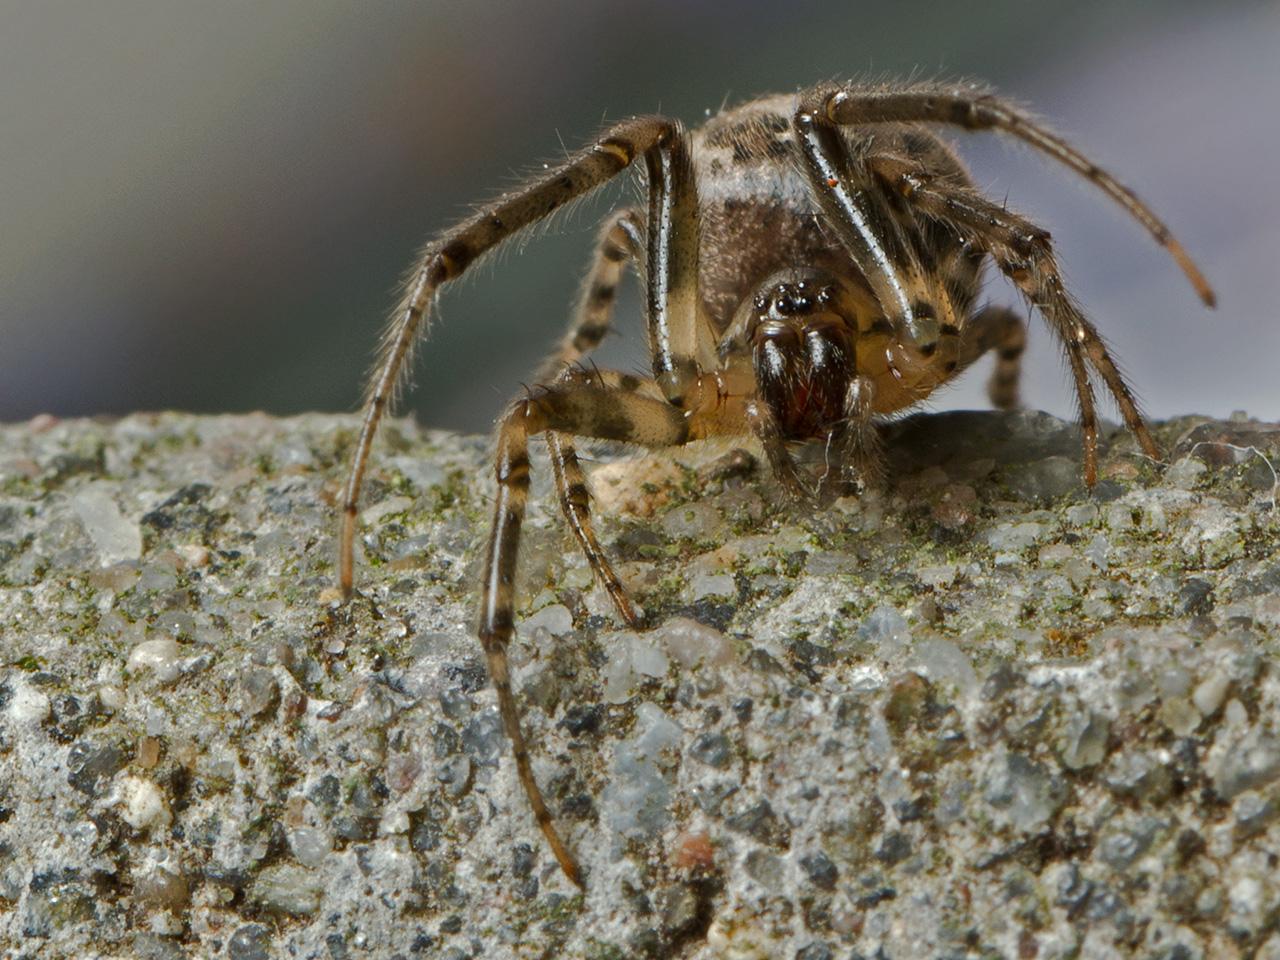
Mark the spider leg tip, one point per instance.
(574, 873)
(568, 864)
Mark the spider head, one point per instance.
(802, 348)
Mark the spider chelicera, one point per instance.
(810, 262)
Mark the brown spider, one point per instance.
(810, 261)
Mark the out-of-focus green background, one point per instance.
(208, 206)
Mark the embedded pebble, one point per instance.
(713, 749)
(116, 538)
(1084, 740)
(1246, 764)
(482, 737)
(760, 822)
(259, 690)
(1055, 554)
(555, 619)
(691, 643)
(161, 656)
(765, 868)
(162, 887)
(713, 585)
(636, 798)
(142, 804)
(371, 515)
(942, 661)
(1046, 480)
(420, 471)
(647, 659)
(309, 845)
(288, 889)
(821, 871)
(91, 764)
(631, 659)
(887, 630)
(1172, 680)
(1082, 514)
(28, 706)
(1185, 472)
(1010, 537)
(1210, 692)
(194, 555)
(1119, 516)
(1179, 715)
(937, 576)
(1025, 791)
(693, 521)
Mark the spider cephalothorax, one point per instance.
(810, 261)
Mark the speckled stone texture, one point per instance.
(980, 714)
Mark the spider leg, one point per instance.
(449, 256)
(846, 192)
(977, 109)
(575, 504)
(681, 340)
(859, 216)
(575, 497)
(1023, 252)
(620, 241)
(581, 408)
(1002, 331)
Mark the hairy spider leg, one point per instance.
(620, 241)
(845, 191)
(1024, 253)
(577, 408)
(1002, 331)
(575, 503)
(449, 256)
(680, 338)
(574, 495)
(682, 343)
(978, 109)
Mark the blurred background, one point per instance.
(209, 206)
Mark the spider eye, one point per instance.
(786, 300)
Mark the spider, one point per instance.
(811, 262)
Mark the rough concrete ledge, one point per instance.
(982, 714)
